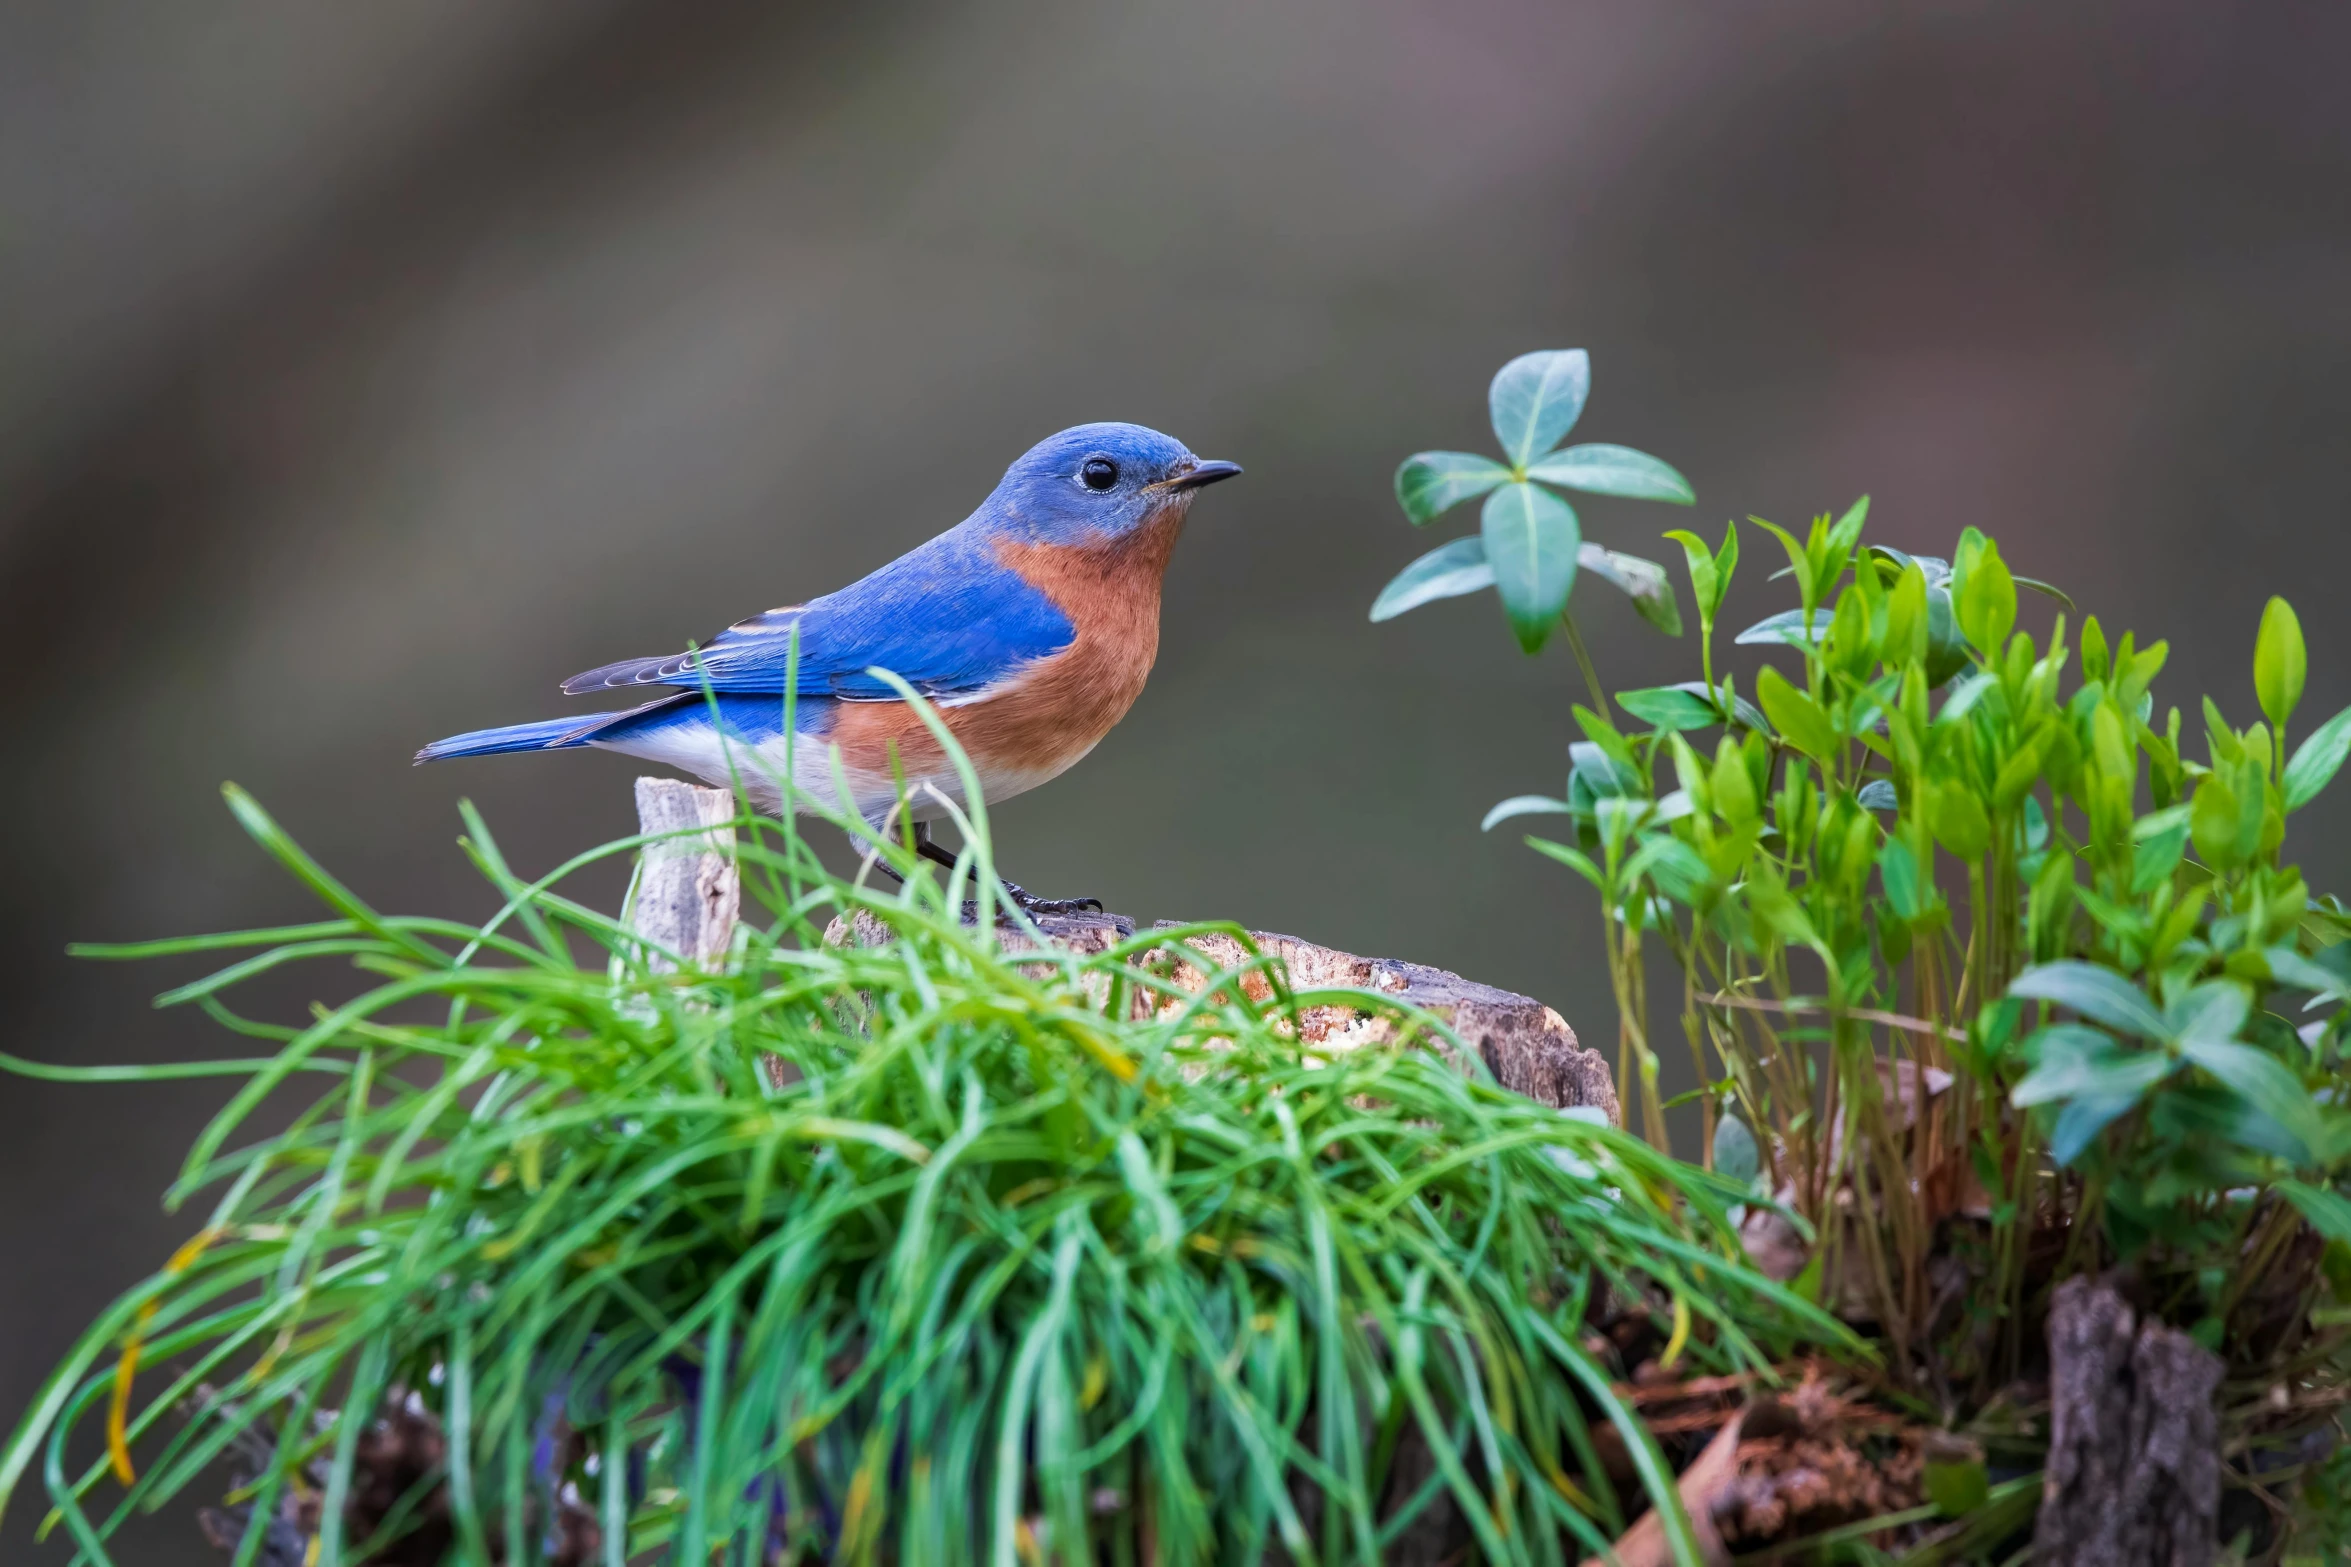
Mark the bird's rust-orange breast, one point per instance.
(1043, 718)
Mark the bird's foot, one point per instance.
(1032, 905)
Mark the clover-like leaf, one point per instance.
(1430, 483)
(1642, 581)
(1601, 469)
(1448, 571)
(1535, 400)
(1531, 539)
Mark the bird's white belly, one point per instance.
(818, 772)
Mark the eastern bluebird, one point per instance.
(1031, 624)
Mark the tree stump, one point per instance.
(2134, 1446)
(1526, 1045)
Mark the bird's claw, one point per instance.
(1061, 905)
(1032, 905)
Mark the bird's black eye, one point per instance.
(1099, 473)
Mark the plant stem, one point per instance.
(1583, 658)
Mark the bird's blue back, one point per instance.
(949, 616)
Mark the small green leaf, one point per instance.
(1946, 648)
(1965, 696)
(2155, 857)
(1613, 470)
(1642, 581)
(1735, 794)
(1736, 1156)
(2263, 1081)
(2017, 775)
(1957, 819)
(2093, 1078)
(1786, 627)
(1707, 580)
(1429, 483)
(1906, 619)
(2215, 1009)
(1726, 561)
(2279, 663)
(1799, 561)
(1524, 805)
(1574, 859)
(2329, 1212)
(2317, 759)
(1986, 600)
(1850, 649)
(1531, 540)
(1535, 400)
(2324, 976)
(1671, 707)
(1879, 794)
(1797, 717)
(2225, 814)
(1447, 571)
(2096, 660)
(2098, 994)
(2048, 590)
(1898, 867)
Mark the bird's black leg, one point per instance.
(1028, 901)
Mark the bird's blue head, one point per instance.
(1100, 481)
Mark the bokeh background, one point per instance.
(366, 369)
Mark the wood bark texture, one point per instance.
(2134, 1443)
(1526, 1045)
(688, 894)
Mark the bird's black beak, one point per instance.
(1203, 472)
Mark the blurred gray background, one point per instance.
(366, 369)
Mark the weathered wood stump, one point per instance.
(2134, 1445)
(1526, 1045)
(688, 894)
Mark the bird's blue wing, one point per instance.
(948, 618)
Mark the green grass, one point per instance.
(1009, 1274)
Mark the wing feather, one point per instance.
(948, 618)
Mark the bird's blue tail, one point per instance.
(549, 734)
(750, 718)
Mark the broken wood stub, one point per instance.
(688, 894)
(2134, 1443)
